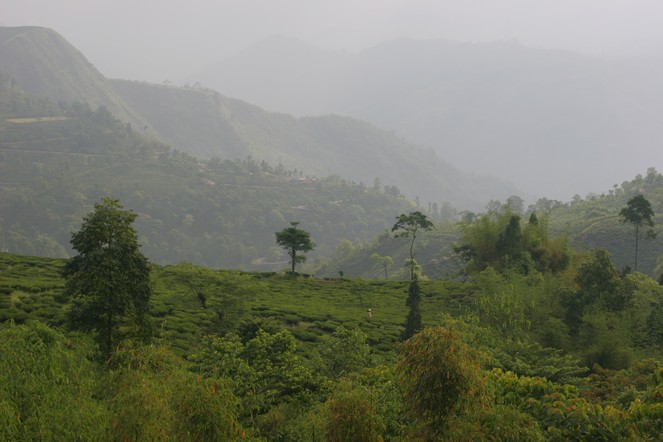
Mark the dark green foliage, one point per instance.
(509, 241)
(639, 213)
(498, 240)
(413, 323)
(265, 373)
(528, 358)
(109, 279)
(295, 240)
(299, 366)
(599, 284)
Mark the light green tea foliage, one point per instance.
(153, 397)
(47, 386)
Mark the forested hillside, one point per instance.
(588, 223)
(205, 124)
(59, 161)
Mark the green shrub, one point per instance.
(440, 374)
(351, 414)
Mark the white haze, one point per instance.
(155, 40)
(159, 40)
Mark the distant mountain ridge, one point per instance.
(553, 121)
(45, 65)
(206, 124)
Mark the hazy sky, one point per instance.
(156, 40)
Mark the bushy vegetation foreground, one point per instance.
(508, 355)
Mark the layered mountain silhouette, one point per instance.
(554, 122)
(204, 123)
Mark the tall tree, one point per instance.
(638, 212)
(509, 241)
(109, 278)
(413, 324)
(295, 240)
(407, 226)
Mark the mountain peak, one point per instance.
(46, 65)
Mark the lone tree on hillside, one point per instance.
(638, 212)
(384, 261)
(407, 226)
(295, 240)
(109, 278)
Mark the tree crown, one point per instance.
(638, 211)
(409, 224)
(292, 238)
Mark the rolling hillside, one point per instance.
(554, 122)
(205, 124)
(589, 223)
(223, 214)
(311, 308)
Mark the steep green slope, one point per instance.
(222, 214)
(203, 123)
(45, 65)
(191, 120)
